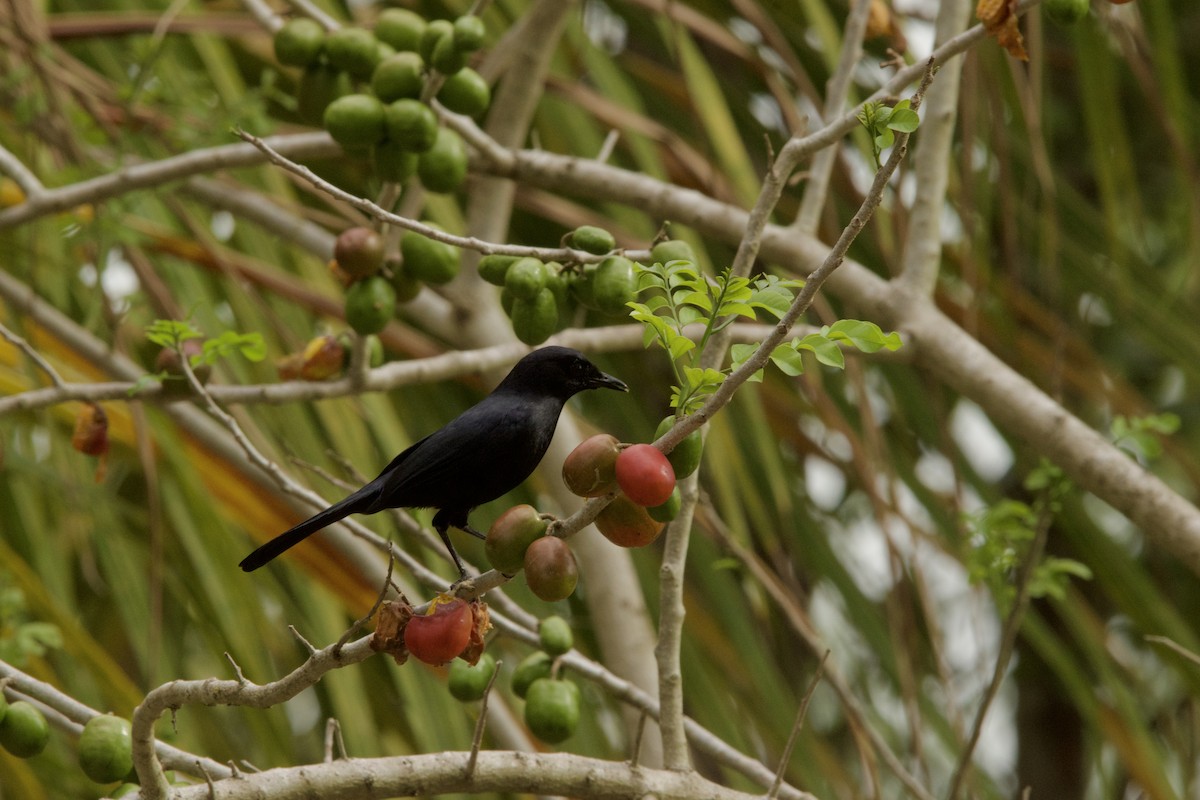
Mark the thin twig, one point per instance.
(797, 726)
(33, 356)
(481, 723)
(1008, 641)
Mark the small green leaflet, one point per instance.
(171, 333)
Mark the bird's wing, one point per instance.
(478, 456)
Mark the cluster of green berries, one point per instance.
(373, 291)
(105, 746)
(552, 704)
(366, 88)
(540, 296)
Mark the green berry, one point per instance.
(355, 121)
(552, 709)
(370, 304)
(443, 167)
(469, 32)
(591, 239)
(23, 731)
(465, 92)
(427, 260)
(554, 635)
(532, 667)
(613, 285)
(299, 42)
(469, 682)
(105, 749)
(411, 125)
(352, 50)
(400, 28)
(494, 268)
(535, 319)
(400, 75)
(525, 278)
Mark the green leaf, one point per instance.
(864, 336)
(824, 348)
(740, 353)
(904, 120)
(170, 332)
(699, 300)
(885, 139)
(788, 359)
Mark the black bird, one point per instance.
(486, 451)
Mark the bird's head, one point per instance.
(558, 372)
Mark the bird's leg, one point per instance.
(443, 531)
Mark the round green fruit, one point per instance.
(370, 304)
(613, 285)
(427, 260)
(352, 50)
(493, 268)
(400, 28)
(445, 57)
(550, 569)
(533, 667)
(591, 239)
(552, 709)
(398, 76)
(23, 731)
(685, 458)
(443, 167)
(510, 536)
(411, 125)
(465, 92)
(434, 32)
(299, 42)
(355, 121)
(665, 512)
(105, 749)
(534, 319)
(467, 682)
(525, 278)
(469, 32)
(554, 635)
(672, 250)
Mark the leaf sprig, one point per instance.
(884, 122)
(677, 295)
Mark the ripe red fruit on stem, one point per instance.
(645, 475)
(440, 635)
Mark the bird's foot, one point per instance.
(473, 532)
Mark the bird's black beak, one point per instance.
(606, 381)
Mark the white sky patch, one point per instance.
(605, 29)
(980, 442)
(824, 482)
(936, 472)
(1093, 309)
(863, 551)
(303, 712)
(920, 34)
(767, 112)
(117, 278)
(222, 225)
(1113, 523)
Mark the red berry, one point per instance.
(440, 635)
(645, 475)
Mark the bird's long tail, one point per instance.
(356, 503)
